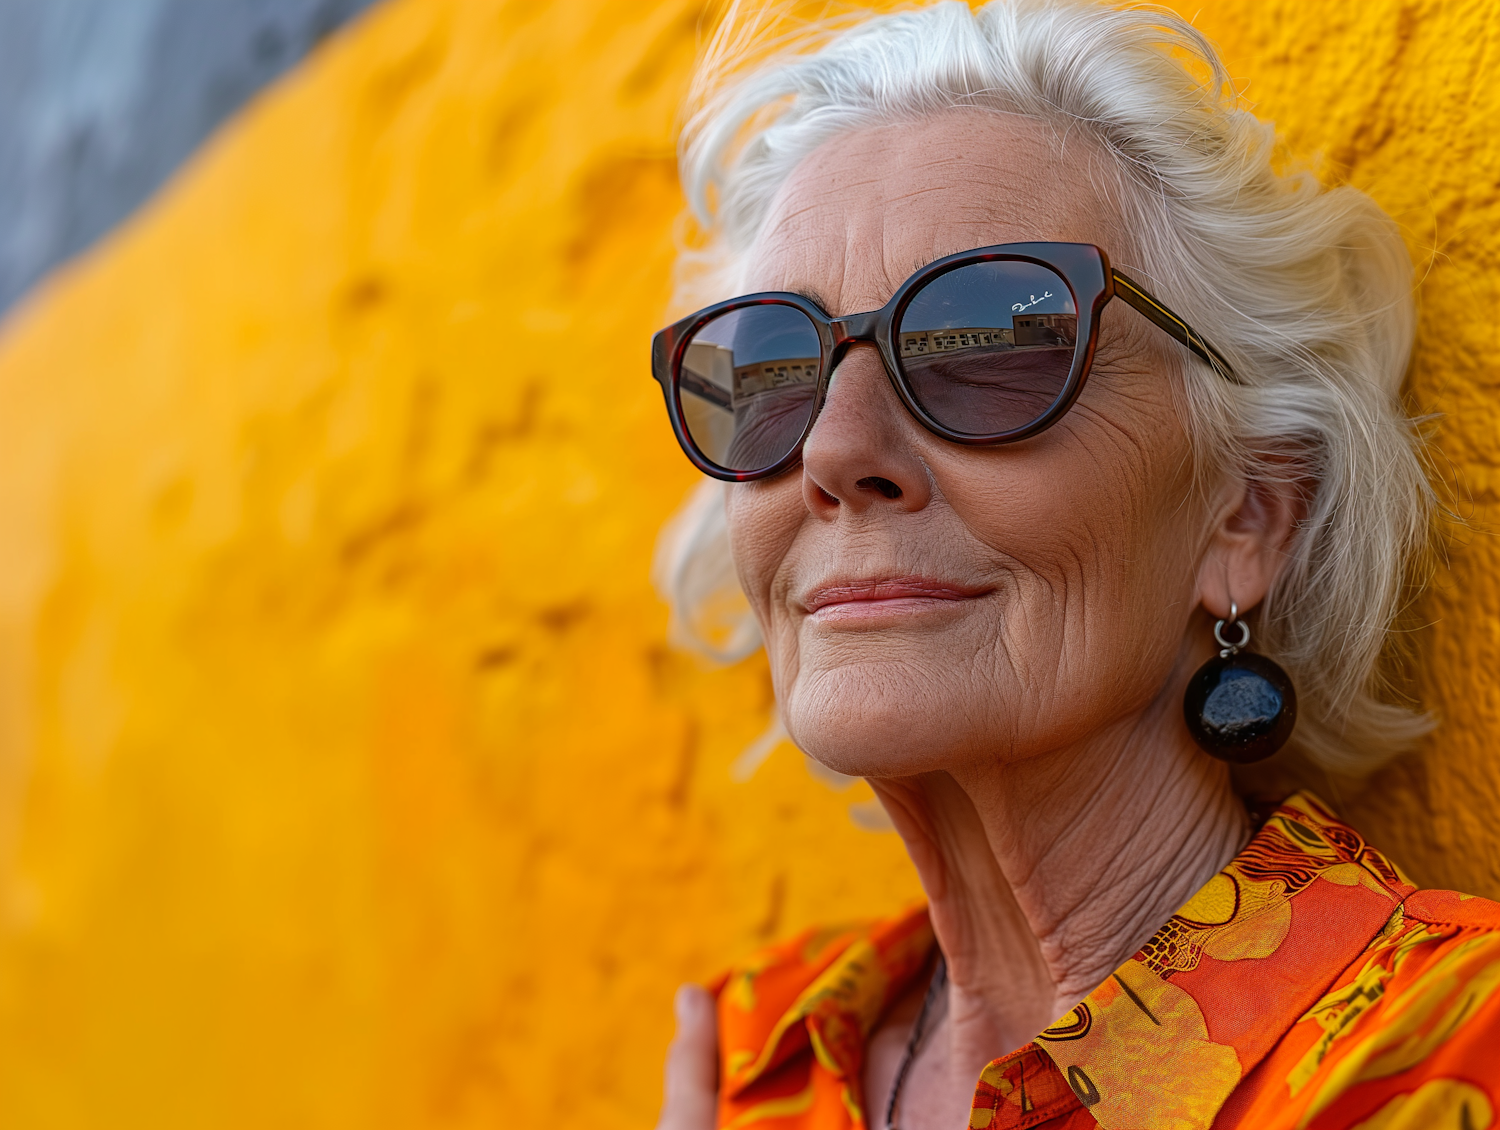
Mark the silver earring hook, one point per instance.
(1234, 618)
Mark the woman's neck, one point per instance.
(1045, 875)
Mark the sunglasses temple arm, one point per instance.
(1154, 311)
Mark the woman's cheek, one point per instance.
(763, 523)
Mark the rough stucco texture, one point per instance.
(348, 779)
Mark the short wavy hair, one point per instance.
(1307, 291)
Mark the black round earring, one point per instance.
(1239, 707)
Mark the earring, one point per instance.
(1239, 707)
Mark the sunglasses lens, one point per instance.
(748, 385)
(987, 348)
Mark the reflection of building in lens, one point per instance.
(1045, 329)
(1026, 329)
(763, 376)
(919, 343)
(709, 372)
(744, 416)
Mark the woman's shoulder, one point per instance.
(1450, 908)
(1408, 1032)
(1438, 958)
(1437, 967)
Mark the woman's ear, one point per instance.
(1251, 537)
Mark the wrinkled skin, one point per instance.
(1023, 724)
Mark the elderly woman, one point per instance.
(1066, 468)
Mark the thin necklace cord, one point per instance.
(914, 1045)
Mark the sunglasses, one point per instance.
(985, 347)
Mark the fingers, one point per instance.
(692, 1091)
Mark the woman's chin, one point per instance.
(864, 739)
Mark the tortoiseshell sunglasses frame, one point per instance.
(1083, 267)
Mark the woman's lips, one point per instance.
(884, 598)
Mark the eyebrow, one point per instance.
(808, 294)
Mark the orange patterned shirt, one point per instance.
(1308, 986)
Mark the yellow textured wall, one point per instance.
(345, 776)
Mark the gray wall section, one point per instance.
(100, 100)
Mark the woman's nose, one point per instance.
(861, 452)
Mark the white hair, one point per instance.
(1306, 291)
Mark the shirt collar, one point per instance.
(862, 973)
(1209, 995)
(1217, 987)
